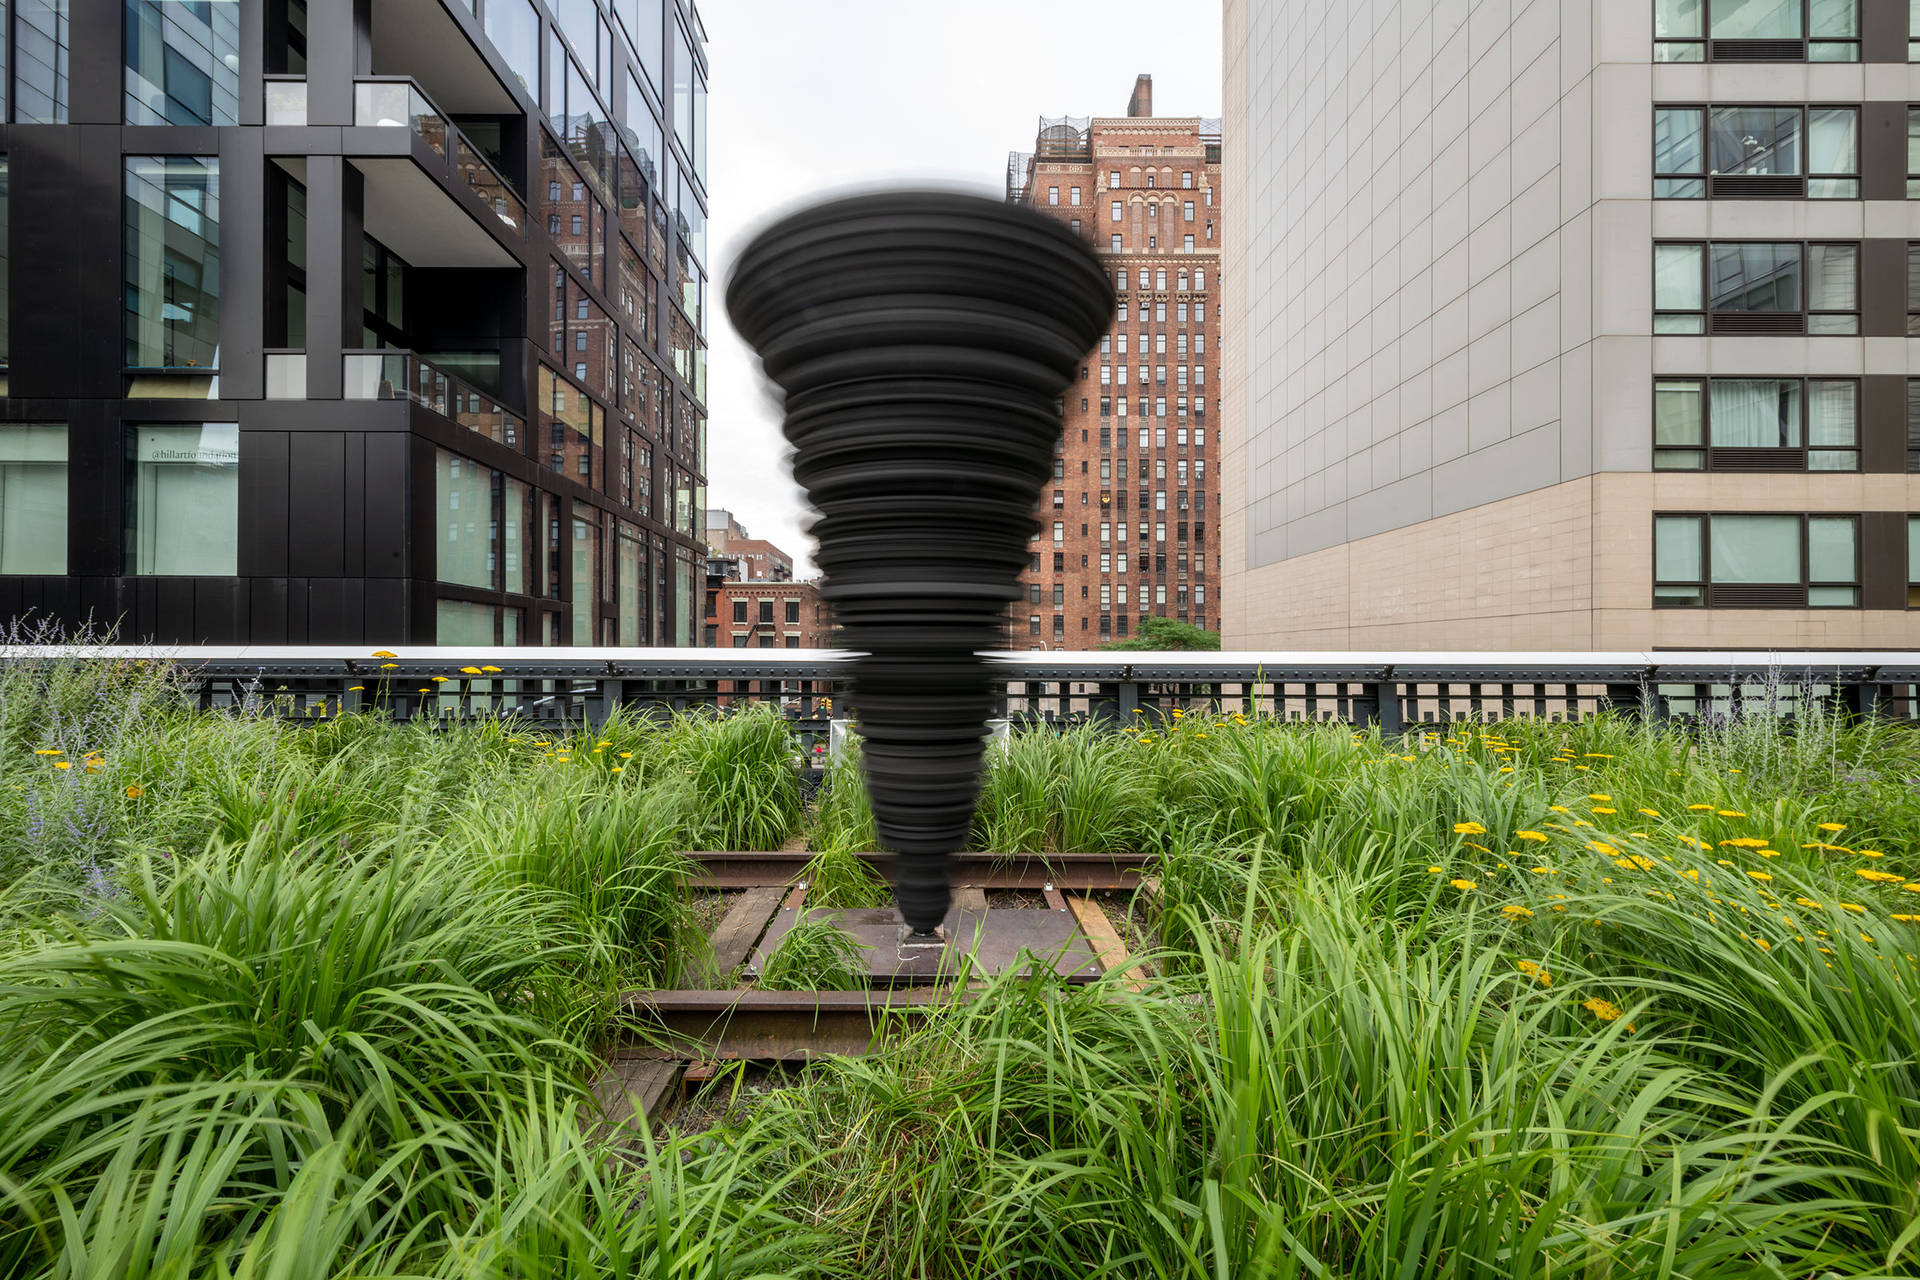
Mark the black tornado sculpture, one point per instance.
(921, 339)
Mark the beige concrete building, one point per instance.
(1569, 324)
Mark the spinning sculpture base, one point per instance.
(921, 339)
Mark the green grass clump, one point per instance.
(1487, 999)
(815, 955)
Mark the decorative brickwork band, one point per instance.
(921, 339)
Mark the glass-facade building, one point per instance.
(344, 321)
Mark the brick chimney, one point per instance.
(1141, 103)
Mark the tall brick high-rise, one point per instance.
(1129, 526)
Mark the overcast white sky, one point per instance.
(809, 96)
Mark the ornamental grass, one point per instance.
(1482, 1000)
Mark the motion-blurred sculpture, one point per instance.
(922, 340)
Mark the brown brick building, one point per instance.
(752, 600)
(759, 560)
(1129, 527)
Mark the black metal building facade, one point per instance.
(336, 321)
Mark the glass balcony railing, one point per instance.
(487, 183)
(388, 103)
(395, 104)
(403, 375)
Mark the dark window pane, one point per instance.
(1754, 277)
(172, 267)
(183, 62)
(1754, 140)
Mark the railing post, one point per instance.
(1627, 699)
(1866, 698)
(1384, 694)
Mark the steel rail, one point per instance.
(1034, 872)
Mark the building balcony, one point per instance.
(420, 168)
(405, 375)
(403, 104)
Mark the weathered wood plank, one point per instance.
(739, 929)
(629, 1087)
(1107, 945)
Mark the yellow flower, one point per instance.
(1602, 809)
(1651, 813)
(1598, 755)
(1730, 813)
(1833, 826)
(1514, 912)
(440, 679)
(1482, 848)
(1869, 853)
(490, 670)
(1878, 877)
(1595, 795)
(619, 768)
(469, 671)
(1506, 768)
(388, 666)
(136, 791)
(1605, 1010)
(1768, 853)
(1468, 829)
(1698, 807)
(1534, 971)
(626, 755)
(63, 764)
(1463, 885)
(382, 653)
(1559, 808)
(1691, 873)
(356, 688)
(1761, 875)
(1763, 944)
(1436, 871)
(1529, 835)
(1854, 907)
(1745, 842)
(1600, 846)
(1911, 888)
(1907, 919)
(1543, 871)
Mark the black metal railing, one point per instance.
(1392, 690)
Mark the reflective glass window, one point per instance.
(172, 262)
(1756, 19)
(464, 493)
(1754, 139)
(683, 75)
(39, 61)
(514, 28)
(183, 62)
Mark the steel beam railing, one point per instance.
(1393, 690)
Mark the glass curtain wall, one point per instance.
(172, 268)
(183, 62)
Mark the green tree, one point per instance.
(1168, 633)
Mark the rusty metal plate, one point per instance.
(776, 1026)
(999, 939)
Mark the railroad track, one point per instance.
(1072, 872)
(676, 1037)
